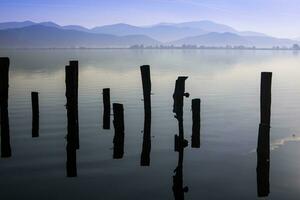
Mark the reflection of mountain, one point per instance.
(46, 36)
(208, 33)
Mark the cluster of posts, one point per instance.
(71, 79)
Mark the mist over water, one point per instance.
(228, 83)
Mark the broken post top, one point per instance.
(4, 61)
(196, 103)
(178, 95)
(73, 63)
(105, 90)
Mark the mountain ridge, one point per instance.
(124, 35)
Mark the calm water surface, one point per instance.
(223, 168)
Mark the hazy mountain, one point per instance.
(206, 25)
(159, 32)
(210, 26)
(8, 25)
(251, 33)
(164, 32)
(76, 28)
(49, 34)
(223, 39)
(40, 36)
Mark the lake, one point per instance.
(224, 167)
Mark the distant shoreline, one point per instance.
(173, 48)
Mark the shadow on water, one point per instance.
(263, 144)
(180, 142)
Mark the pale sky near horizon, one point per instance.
(274, 17)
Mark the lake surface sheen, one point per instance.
(228, 83)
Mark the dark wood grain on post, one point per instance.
(71, 164)
(196, 103)
(74, 66)
(263, 143)
(106, 108)
(35, 113)
(146, 149)
(4, 85)
(118, 122)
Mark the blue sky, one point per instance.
(274, 17)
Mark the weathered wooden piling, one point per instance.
(4, 85)
(263, 144)
(146, 81)
(74, 66)
(106, 108)
(35, 113)
(196, 103)
(180, 143)
(118, 122)
(71, 164)
(178, 95)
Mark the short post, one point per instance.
(4, 84)
(196, 103)
(106, 108)
(146, 81)
(74, 66)
(35, 113)
(71, 164)
(119, 130)
(263, 144)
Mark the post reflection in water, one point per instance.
(180, 142)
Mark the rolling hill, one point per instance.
(40, 36)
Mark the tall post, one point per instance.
(180, 143)
(196, 103)
(74, 66)
(119, 130)
(71, 164)
(35, 113)
(4, 84)
(146, 81)
(263, 144)
(106, 108)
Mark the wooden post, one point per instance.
(119, 130)
(178, 95)
(263, 144)
(146, 81)
(74, 66)
(196, 103)
(180, 143)
(71, 114)
(4, 84)
(35, 113)
(106, 110)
